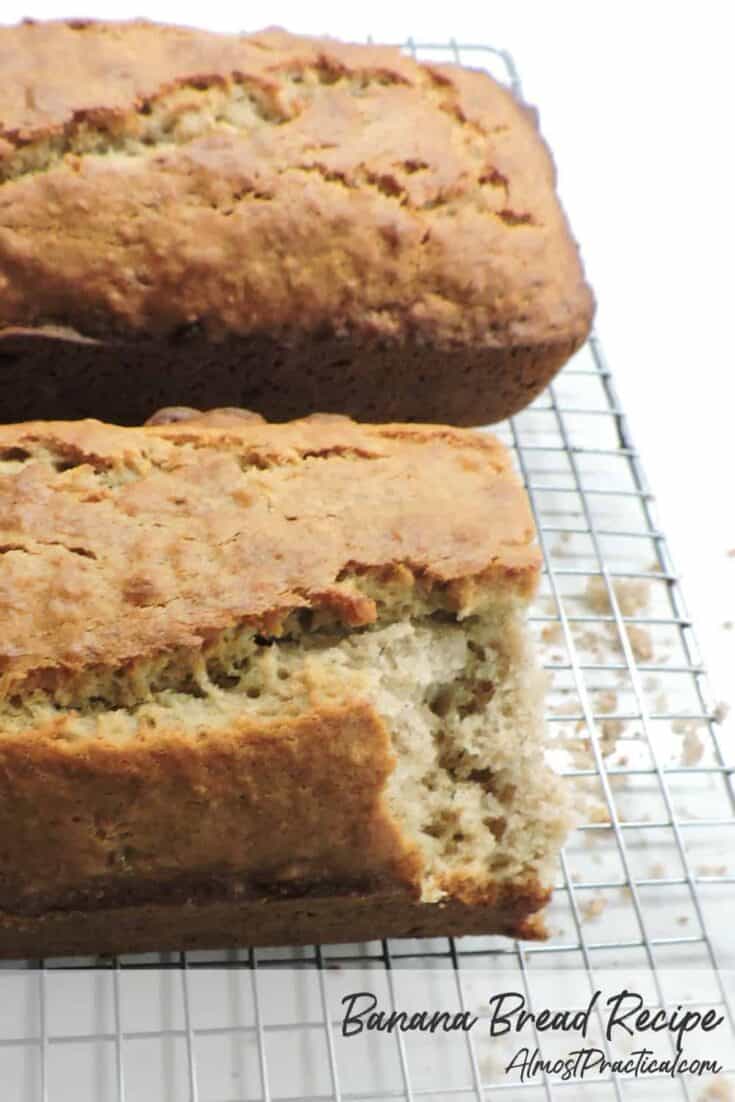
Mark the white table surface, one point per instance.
(636, 101)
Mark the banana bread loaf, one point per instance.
(286, 223)
(266, 683)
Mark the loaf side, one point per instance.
(291, 199)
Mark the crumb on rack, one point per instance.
(717, 1090)
(692, 750)
(618, 782)
(593, 908)
(567, 708)
(594, 642)
(640, 642)
(657, 871)
(711, 870)
(632, 595)
(721, 712)
(552, 633)
(682, 920)
(607, 701)
(610, 729)
(598, 813)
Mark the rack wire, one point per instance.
(643, 884)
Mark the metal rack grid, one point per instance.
(612, 907)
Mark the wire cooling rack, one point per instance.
(644, 884)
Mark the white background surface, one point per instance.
(636, 100)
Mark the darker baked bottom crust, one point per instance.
(114, 892)
(50, 377)
(227, 924)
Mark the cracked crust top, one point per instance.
(155, 178)
(119, 543)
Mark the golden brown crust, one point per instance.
(158, 179)
(122, 543)
(167, 805)
(218, 924)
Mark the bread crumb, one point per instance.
(682, 920)
(607, 701)
(721, 712)
(692, 750)
(717, 1090)
(593, 908)
(682, 724)
(640, 642)
(610, 729)
(590, 838)
(626, 892)
(599, 813)
(568, 708)
(712, 870)
(657, 871)
(731, 553)
(592, 641)
(632, 595)
(578, 747)
(552, 633)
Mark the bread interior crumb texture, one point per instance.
(461, 698)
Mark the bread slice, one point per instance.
(266, 683)
(289, 223)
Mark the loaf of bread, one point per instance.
(285, 223)
(266, 683)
